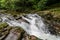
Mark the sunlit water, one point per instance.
(33, 24)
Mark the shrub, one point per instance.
(26, 4)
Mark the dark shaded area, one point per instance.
(51, 2)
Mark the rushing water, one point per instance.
(33, 24)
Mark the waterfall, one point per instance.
(33, 24)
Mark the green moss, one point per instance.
(3, 25)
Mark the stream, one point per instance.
(33, 24)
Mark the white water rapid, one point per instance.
(33, 24)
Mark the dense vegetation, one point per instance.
(23, 5)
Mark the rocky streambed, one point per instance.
(29, 27)
(14, 33)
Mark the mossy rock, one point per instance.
(3, 25)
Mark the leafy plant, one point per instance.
(23, 5)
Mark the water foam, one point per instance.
(33, 24)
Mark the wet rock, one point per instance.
(48, 16)
(14, 34)
(53, 22)
(4, 32)
(11, 33)
(29, 37)
(25, 37)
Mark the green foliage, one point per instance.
(25, 4)
(41, 4)
(7, 4)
